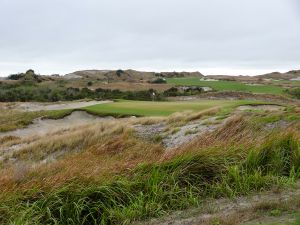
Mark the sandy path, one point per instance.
(42, 127)
(35, 106)
(261, 107)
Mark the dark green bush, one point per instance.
(295, 92)
(159, 80)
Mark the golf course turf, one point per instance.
(147, 108)
(227, 85)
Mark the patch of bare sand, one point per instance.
(261, 107)
(22, 138)
(37, 106)
(177, 136)
(43, 126)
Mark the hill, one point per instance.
(290, 75)
(126, 75)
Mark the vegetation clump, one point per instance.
(159, 80)
(294, 92)
(29, 75)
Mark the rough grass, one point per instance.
(227, 85)
(152, 189)
(92, 151)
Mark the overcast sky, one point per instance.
(211, 36)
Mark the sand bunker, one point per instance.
(35, 106)
(261, 107)
(42, 127)
(183, 135)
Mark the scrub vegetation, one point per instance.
(110, 175)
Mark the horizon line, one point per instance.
(204, 71)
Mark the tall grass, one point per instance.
(154, 189)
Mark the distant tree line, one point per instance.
(31, 91)
(9, 93)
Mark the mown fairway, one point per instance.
(146, 108)
(227, 85)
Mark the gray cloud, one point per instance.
(214, 36)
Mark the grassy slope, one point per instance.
(148, 184)
(293, 83)
(145, 108)
(227, 85)
(153, 189)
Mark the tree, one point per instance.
(119, 72)
(30, 71)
